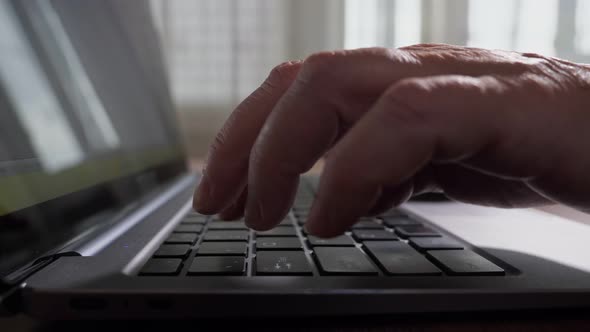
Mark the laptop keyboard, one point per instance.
(389, 245)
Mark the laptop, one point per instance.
(96, 219)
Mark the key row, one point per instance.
(392, 218)
(279, 243)
(188, 234)
(391, 257)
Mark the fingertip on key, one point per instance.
(202, 201)
(253, 215)
(318, 225)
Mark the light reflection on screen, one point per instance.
(36, 106)
(86, 128)
(76, 108)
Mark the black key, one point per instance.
(394, 213)
(228, 225)
(162, 266)
(398, 258)
(303, 206)
(223, 248)
(190, 228)
(278, 243)
(197, 219)
(303, 201)
(193, 214)
(349, 261)
(282, 263)
(182, 238)
(367, 224)
(301, 213)
(341, 241)
(399, 221)
(415, 230)
(226, 236)
(173, 250)
(286, 222)
(465, 262)
(373, 234)
(434, 243)
(217, 265)
(366, 219)
(278, 231)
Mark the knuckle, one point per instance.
(219, 140)
(405, 97)
(328, 65)
(407, 91)
(426, 46)
(318, 66)
(549, 73)
(420, 99)
(333, 70)
(282, 74)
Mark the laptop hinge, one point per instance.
(11, 301)
(11, 285)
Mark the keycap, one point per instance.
(373, 234)
(366, 218)
(399, 221)
(394, 213)
(341, 240)
(181, 238)
(398, 258)
(228, 225)
(302, 206)
(173, 250)
(278, 243)
(217, 265)
(367, 224)
(434, 243)
(415, 230)
(302, 221)
(303, 200)
(190, 228)
(464, 262)
(162, 266)
(301, 213)
(226, 236)
(194, 219)
(278, 231)
(286, 222)
(223, 248)
(350, 261)
(282, 263)
(194, 213)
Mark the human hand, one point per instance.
(485, 127)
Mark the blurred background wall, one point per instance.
(218, 51)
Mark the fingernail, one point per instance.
(306, 229)
(309, 225)
(316, 221)
(252, 214)
(203, 196)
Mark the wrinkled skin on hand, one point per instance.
(486, 127)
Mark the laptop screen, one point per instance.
(86, 123)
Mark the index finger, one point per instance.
(227, 162)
